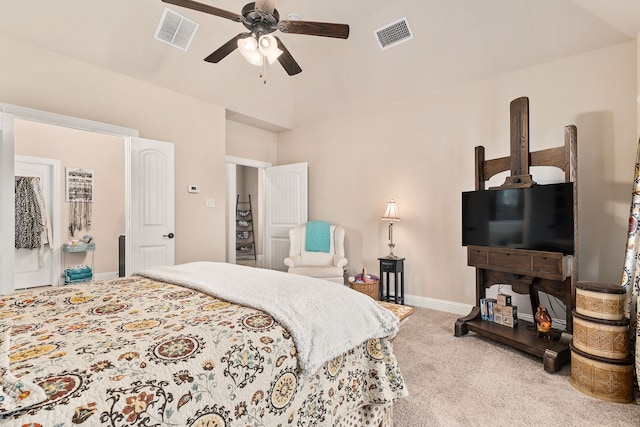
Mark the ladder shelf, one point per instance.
(245, 239)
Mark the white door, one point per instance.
(7, 193)
(41, 267)
(286, 200)
(150, 238)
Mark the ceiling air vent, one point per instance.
(175, 29)
(393, 34)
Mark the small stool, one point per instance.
(402, 312)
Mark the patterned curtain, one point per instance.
(631, 271)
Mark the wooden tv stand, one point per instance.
(528, 272)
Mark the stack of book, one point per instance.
(499, 310)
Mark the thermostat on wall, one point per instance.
(195, 189)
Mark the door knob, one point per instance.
(170, 235)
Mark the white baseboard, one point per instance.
(464, 309)
(106, 276)
(438, 304)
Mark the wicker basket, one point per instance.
(371, 288)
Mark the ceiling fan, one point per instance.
(261, 18)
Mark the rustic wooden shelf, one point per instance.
(554, 352)
(527, 271)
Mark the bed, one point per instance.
(199, 344)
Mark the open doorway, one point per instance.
(137, 152)
(104, 156)
(282, 204)
(245, 177)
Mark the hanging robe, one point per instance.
(29, 227)
(44, 214)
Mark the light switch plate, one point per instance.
(210, 203)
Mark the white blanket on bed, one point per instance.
(325, 319)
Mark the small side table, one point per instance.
(387, 267)
(78, 247)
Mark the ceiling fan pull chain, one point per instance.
(263, 71)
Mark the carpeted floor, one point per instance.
(473, 381)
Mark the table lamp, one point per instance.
(391, 215)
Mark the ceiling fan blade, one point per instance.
(190, 4)
(266, 6)
(323, 29)
(226, 49)
(286, 60)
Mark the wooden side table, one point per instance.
(393, 266)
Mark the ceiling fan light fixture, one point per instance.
(256, 59)
(268, 45)
(247, 46)
(255, 51)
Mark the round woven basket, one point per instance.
(371, 288)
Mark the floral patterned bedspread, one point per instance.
(138, 352)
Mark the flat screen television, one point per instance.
(535, 218)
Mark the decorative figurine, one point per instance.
(543, 321)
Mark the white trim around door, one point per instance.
(12, 112)
(232, 162)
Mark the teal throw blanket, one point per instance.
(318, 237)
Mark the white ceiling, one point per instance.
(455, 41)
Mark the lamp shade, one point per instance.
(391, 214)
(256, 59)
(268, 45)
(247, 46)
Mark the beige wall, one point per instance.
(420, 152)
(103, 154)
(249, 142)
(43, 80)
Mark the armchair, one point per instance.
(319, 264)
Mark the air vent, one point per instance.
(393, 34)
(175, 29)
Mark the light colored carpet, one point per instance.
(473, 381)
